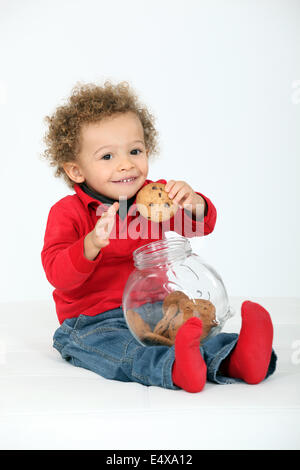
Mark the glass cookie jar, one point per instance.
(170, 284)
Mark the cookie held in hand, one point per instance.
(154, 204)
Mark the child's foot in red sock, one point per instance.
(251, 356)
(189, 368)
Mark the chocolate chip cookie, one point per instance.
(154, 204)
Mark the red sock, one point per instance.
(189, 368)
(251, 356)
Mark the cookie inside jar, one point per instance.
(177, 308)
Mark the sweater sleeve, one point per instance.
(62, 255)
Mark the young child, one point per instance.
(100, 142)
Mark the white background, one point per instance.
(222, 79)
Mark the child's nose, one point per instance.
(125, 164)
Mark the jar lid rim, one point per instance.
(161, 252)
(165, 243)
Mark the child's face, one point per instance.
(124, 156)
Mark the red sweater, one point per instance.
(92, 287)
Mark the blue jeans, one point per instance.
(104, 345)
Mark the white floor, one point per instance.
(46, 403)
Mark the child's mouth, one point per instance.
(126, 181)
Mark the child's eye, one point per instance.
(109, 154)
(137, 150)
(103, 158)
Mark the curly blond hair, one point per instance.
(91, 103)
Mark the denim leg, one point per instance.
(104, 345)
(215, 349)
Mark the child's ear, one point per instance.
(73, 171)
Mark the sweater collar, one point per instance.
(93, 198)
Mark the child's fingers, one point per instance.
(180, 196)
(116, 206)
(103, 230)
(106, 222)
(169, 185)
(175, 189)
(110, 213)
(113, 209)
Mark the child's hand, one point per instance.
(103, 227)
(181, 193)
(99, 236)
